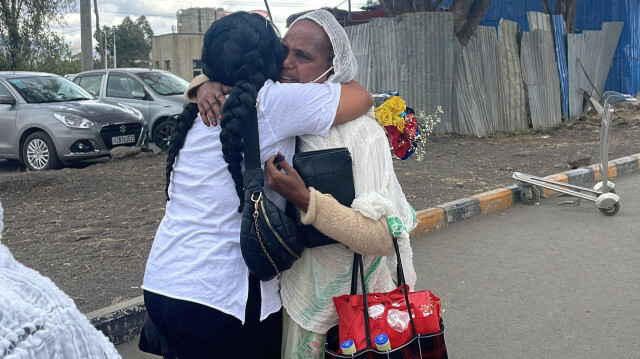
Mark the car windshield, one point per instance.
(42, 89)
(164, 83)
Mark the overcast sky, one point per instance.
(162, 13)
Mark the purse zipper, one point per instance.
(275, 233)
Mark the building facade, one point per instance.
(198, 19)
(178, 53)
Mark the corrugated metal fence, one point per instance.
(412, 53)
(590, 15)
(484, 86)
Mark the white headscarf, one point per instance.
(344, 62)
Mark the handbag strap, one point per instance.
(359, 266)
(253, 177)
(401, 280)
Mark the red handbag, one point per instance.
(425, 308)
(416, 331)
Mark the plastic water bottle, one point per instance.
(348, 347)
(382, 343)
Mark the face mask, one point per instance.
(323, 74)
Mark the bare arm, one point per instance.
(354, 102)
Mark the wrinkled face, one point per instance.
(308, 53)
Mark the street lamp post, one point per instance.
(105, 61)
(114, 48)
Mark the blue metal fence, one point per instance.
(560, 39)
(624, 75)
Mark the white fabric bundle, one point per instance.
(344, 62)
(38, 320)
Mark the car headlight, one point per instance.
(71, 120)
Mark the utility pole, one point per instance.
(114, 48)
(101, 44)
(85, 35)
(105, 41)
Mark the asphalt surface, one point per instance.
(540, 281)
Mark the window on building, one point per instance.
(157, 65)
(196, 73)
(197, 64)
(167, 65)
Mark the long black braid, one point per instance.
(242, 50)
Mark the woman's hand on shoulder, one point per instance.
(285, 180)
(211, 96)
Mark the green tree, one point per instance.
(54, 56)
(133, 42)
(25, 32)
(144, 24)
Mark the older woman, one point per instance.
(379, 211)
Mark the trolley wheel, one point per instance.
(611, 211)
(529, 195)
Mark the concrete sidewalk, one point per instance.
(122, 322)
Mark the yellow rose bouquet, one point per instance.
(402, 126)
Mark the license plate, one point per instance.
(118, 140)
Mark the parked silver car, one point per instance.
(46, 120)
(155, 93)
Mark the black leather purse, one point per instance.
(269, 238)
(329, 171)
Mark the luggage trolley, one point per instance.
(603, 193)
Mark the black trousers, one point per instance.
(190, 330)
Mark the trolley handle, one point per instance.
(613, 97)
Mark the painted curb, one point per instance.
(438, 217)
(122, 322)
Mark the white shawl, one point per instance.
(38, 320)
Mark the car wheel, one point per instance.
(163, 134)
(39, 153)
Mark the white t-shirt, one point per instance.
(196, 251)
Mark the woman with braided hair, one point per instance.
(197, 289)
(379, 211)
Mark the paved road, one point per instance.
(543, 281)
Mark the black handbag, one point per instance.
(329, 171)
(269, 238)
